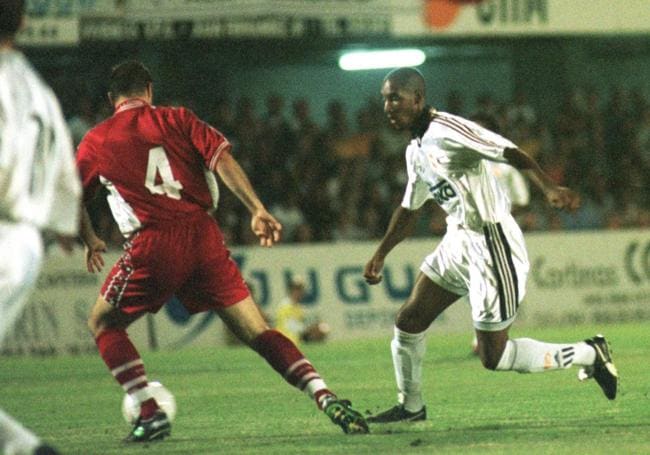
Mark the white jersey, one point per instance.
(448, 164)
(483, 253)
(512, 181)
(38, 178)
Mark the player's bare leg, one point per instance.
(525, 355)
(108, 325)
(490, 347)
(246, 322)
(104, 316)
(427, 301)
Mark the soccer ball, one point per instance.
(475, 345)
(164, 398)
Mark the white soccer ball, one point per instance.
(164, 398)
(475, 345)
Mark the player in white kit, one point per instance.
(511, 180)
(482, 254)
(39, 191)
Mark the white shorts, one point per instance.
(21, 248)
(490, 266)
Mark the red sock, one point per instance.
(286, 359)
(126, 366)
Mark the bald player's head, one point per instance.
(407, 78)
(404, 101)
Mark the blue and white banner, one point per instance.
(214, 19)
(68, 8)
(49, 31)
(51, 23)
(591, 278)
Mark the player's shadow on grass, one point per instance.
(430, 426)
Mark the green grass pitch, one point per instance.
(230, 401)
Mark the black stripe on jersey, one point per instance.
(507, 284)
(464, 131)
(502, 298)
(502, 255)
(471, 138)
(467, 132)
(501, 268)
(470, 131)
(511, 265)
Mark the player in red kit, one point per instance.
(159, 167)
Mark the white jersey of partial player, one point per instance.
(38, 178)
(512, 181)
(449, 164)
(39, 185)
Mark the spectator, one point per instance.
(291, 319)
(83, 119)
(223, 117)
(642, 153)
(520, 113)
(288, 212)
(347, 228)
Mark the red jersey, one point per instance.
(156, 163)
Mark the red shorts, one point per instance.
(188, 259)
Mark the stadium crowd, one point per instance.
(341, 180)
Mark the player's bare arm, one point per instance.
(66, 242)
(559, 197)
(94, 246)
(263, 224)
(401, 225)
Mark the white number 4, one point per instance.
(158, 164)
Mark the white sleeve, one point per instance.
(64, 217)
(5, 139)
(416, 192)
(11, 170)
(518, 188)
(462, 134)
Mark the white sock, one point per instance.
(314, 386)
(14, 438)
(526, 355)
(408, 351)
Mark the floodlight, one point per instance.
(367, 60)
